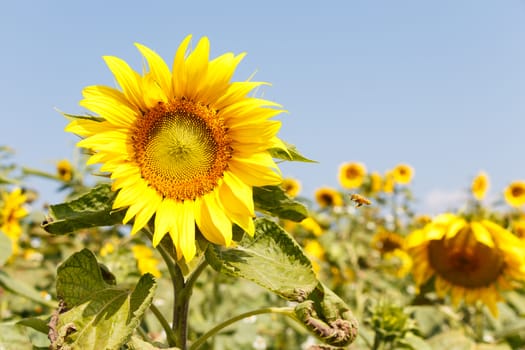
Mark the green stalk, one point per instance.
(276, 310)
(165, 325)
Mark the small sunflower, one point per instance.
(388, 182)
(470, 260)
(352, 174)
(12, 211)
(386, 242)
(312, 226)
(64, 170)
(328, 197)
(403, 174)
(480, 185)
(515, 194)
(292, 187)
(376, 182)
(518, 228)
(399, 262)
(146, 261)
(185, 146)
(316, 252)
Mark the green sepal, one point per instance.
(290, 153)
(273, 200)
(271, 258)
(85, 117)
(99, 315)
(92, 209)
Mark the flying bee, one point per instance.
(359, 200)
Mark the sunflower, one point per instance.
(146, 261)
(398, 262)
(64, 170)
(403, 174)
(376, 182)
(292, 187)
(469, 260)
(518, 228)
(328, 197)
(185, 146)
(386, 242)
(388, 182)
(312, 226)
(480, 185)
(11, 212)
(515, 194)
(352, 174)
(316, 253)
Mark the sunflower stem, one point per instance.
(276, 310)
(165, 325)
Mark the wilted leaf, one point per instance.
(100, 315)
(274, 201)
(92, 209)
(271, 259)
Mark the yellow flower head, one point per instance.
(386, 242)
(471, 261)
(376, 182)
(480, 185)
(313, 226)
(518, 228)
(399, 262)
(64, 170)
(184, 146)
(388, 182)
(12, 211)
(292, 187)
(403, 174)
(515, 194)
(316, 253)
(146, 261)
(328, 197)
(352, 174)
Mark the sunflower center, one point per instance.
(327, 199)
(517, 191)
(465, 262)
(352, 173)
(182, 149)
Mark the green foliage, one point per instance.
(99, 315)
(271, 259)
(290, 153)
(6, 248)
(92, 209)
(273, 200)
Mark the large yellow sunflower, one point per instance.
(471, 261)
(352, 174)
(480, 185)
(184, 146)
(515, 194)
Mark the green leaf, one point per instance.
(87, 117)
(6, 248)
(38, 324)
(274, 201)
(16, 286)
(92, 209)
(271, 259)
(138, 344)
(290, 153)
(13, 337)
(100, 315)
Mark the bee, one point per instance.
(359, 200)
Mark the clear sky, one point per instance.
(436, 84)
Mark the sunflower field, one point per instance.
(178, 230)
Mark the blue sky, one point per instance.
(436, 84)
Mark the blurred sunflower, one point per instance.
(185, 146)
(403, 174)
(518, 228)
(146, 261)
(352, 174)
(515, 194)
(312, 226)
(470, 260)
(64, 170)
(399, 262)
(316, 252)
(386, 242)
(328, 197)
(376, 182)
(480, 185)
(388, 182)
(12, 211)
(292, 187)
